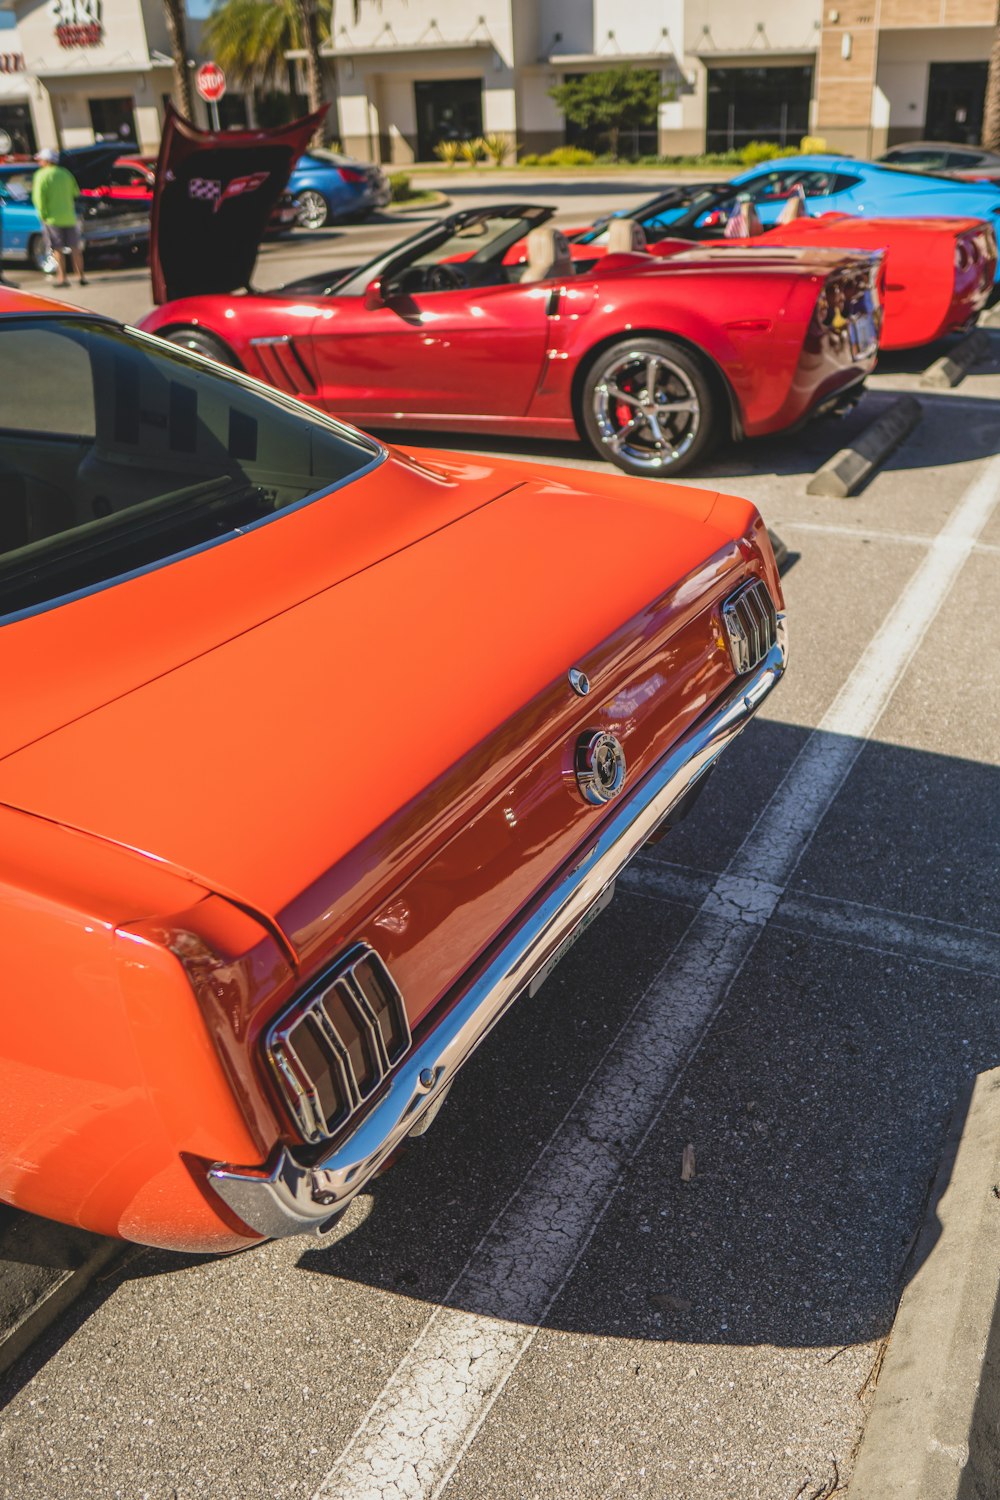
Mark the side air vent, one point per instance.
(330, 1050)
(751, 625)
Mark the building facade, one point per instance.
(411, 73)
(89, 69)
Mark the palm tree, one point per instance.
(991, 112)
(308, 30)
(177, 27)
(249, 40)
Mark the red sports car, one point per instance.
(653, 360)
(263, 893)
(939, 272)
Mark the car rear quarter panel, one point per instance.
(108, 1075)
(926, 293)
(434, 885)
(748, 321)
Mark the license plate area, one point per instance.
(590, 915)
(863, 335)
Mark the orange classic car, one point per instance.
(315, 756)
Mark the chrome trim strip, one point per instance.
(286, 1197)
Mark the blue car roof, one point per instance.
(811, 163)
(883, 171)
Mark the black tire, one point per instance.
(672, 427)
(40, 256)
(203, 343)
(312, 208)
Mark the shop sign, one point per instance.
(77, 22)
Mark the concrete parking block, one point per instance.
(847, 470)
(953, 367)
(43, 1268)
(934, 1431)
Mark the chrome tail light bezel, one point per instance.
(751, 624)
(308, 1032)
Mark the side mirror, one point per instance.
(373, 296)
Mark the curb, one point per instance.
(953, 367)
(934, 1431)
(847, 470)
(433, 200)
(44, 1267)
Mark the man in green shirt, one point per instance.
(54, 193)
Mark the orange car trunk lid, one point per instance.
(260, 761)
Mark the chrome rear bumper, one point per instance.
(287, 1197)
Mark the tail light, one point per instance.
(751, 625)
(333, 1047)
(351, 174)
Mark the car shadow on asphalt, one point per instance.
(816, 1102)
(970, 422)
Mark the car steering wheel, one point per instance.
(442, 278)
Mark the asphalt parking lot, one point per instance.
(795, 984)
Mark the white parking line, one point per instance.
(421, 1424)
(865, 534)
(919, 939)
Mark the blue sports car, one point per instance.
(326, 186)
(831, 184)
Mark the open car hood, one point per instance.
(91, 165)
(214, 194)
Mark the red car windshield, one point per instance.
(118, 453)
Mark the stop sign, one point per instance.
(210, 81)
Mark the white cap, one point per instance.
(47, 154)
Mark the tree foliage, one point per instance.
(991, 112)
(249, 40)
(610, 100)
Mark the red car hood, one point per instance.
(214, 195)
(278, 705)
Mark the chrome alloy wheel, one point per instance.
(312, 209)
(646, 409)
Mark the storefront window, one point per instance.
(955, 95)
(15, 121)
(113, 119)
(233, 112)
(757, 104)
(449, 110)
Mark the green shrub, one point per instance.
(755, 152)
(448, 151)
(472, 151)
(498, 147)
(401, 187)
(813, 145)
(562, 156)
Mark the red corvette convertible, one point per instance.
(653, 361)
(939, 272)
